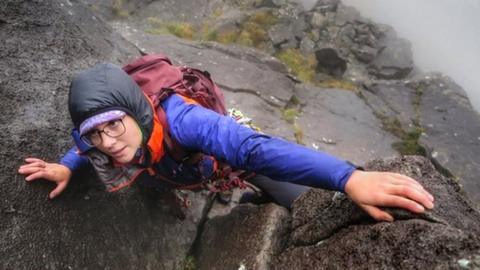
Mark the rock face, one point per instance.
(249, 236)
(439, 110)
(43, 44)
(328, 231)
(339, 122)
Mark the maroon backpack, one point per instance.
(158, 78)
(155, 74)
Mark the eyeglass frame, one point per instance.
(85, 139)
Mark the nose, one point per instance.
(107, 141)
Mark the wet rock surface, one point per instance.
(43, 44)
(340, 129)
(329, 231)
(253, 233)
(393, 61)
(447, 125)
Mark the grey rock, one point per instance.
(44, 44)
(346, 34)
(329, 62)
(440, 108)
(451, 131)
(326, 6)
(329, 231)
(178, 11)
(318, 20)
(394, 60)
(364, 36)
(341, 116)
(249, 236)
(346, 14)
(289, 31)
(393, 100)
(281, 34)
(273, 3)
(365, 53)
(307, 46)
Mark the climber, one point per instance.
(117, 130)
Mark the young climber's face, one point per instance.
(121, 148)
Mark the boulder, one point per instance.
(248, 238)
(329, 62)
(283, 36)
(317, 20)
(394, 60)
(329, 231)
(326, 5)
(43, 44)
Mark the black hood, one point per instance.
(104, 87)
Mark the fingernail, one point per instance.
(430, 205)
(431, 197)
(421, 208)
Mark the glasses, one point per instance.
(113, 129)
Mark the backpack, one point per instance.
(159, 78)
(156, 75)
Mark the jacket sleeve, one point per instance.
(200, 129)
(73, 160)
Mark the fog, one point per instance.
(445, 35)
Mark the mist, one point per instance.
(445, 35)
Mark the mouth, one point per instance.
(118, 152)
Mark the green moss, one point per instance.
(252, 32)
(311, 35)
(409, 139)
(290, 115)
(294, 100)
(157, 27)
(298, 133)
(263, 18)
(408, 144)
(179, 29)
(155, 22)
(118, 10)
(245, 39)
(226, 37)
(218, 12)
(393, 126)
(301, 66)
(189, 263)
(338, 84)
(211, 35)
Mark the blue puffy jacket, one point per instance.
(200, 129)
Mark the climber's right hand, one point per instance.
(35, 168)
